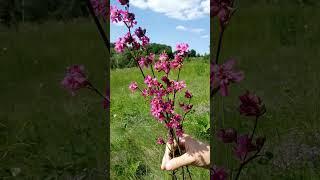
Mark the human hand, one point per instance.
(196, 153)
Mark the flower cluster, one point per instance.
(137, 40)
(146, 61)
(160, 91)
(243, 143)
(218, 173)
(222, 9)
(99, 7)
(251, 105)
(162, 107)
(223, 75)
(245, 147)
(75, 78)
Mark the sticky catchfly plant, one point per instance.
(158, 87)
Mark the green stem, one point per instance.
(91, 87)
(219, 45)
(254, 156)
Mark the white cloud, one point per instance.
(205, 36)
(177, 9)
(193, 30)
(197, 30)
(182, 28)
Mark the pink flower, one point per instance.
(128, 39)
(145, 41)
(188, 94)
(178, 86)
(157, 108)
(177, 62)
(243, 146)
(123, 2)
(186, 107)
(142, 62)
(166, 80)
(146, 61)
(160, 92)
(136, 45)
(227, 135)
(175, 121)
(223, 75)
(177, 117)
(162, 66)
(133, 86)
(129, 18)
(151, 82)
(145, 93)
(75, 78)
(160, 141)
(148, 81)
(167, 106)
(163, 56)
(182, 49)
(173, 124)
(179, 131)
(99, 8)
(222, 9)
(218, 174)
(120, 45)
(251, 105)
(140, 32)
(115, 14)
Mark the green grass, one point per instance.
(44, 132)
(278, 49)
(134, 152)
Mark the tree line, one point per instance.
(125, 59)
(15, 11)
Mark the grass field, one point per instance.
(44, 132)
(279, 50)
(134, 152)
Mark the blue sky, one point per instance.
(171, 22)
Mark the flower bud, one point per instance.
(160, 141)
(123, 2)
(140, 32)
(227, 135)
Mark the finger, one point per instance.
(180, 161)
(166, 157)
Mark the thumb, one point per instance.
(180, 161)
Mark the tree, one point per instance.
(192, 53)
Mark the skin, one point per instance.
(196, 153)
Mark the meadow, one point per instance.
(134, 152)
(278, 48)
(45, 133)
